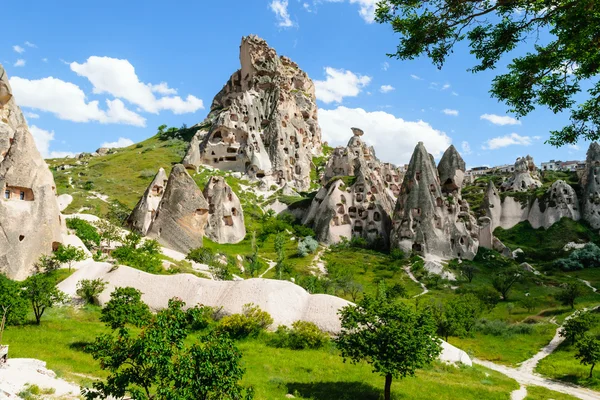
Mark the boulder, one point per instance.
(263, 122)
(590, 181)
(30, 221)
(225, 215)
(102, 151)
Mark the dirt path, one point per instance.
(272, 265)
(412, 277)
(318, 262)
(588, 284)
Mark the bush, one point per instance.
(588, 257)
(397, 254)
(147, 173)
(145, 257)
(302, 335)
(85, 231)
(90, 289)
(249, 323)
(501, 328)
(11, 298)
(202, 255)
(306, 246)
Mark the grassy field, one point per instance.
(540, 393)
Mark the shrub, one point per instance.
(306, 246)
(501, 328)
(200, 317)
(249, 323)
(147, 173)
(588, 257)
(302, 335)
(397, 254)
(89, 289)
(202, 255)
(85, 231)
(145, 257)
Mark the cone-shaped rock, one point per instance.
(182, 213)
(590, 181)
(30, 222)
(263, 122)
(451, 169)
(226, 218)
(144, 212)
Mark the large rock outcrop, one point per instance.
(590, 181)
(145, 211)
(431, 218)
(524, 177)
(263, 122)
(30, 222)
(226, 219)
(182, 214)
(358, 197)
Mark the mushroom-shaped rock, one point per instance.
(225, 215)
(524, 177)
(590, 181)
(451, 169)
(30, 221)
(145, 211)
(182, 213)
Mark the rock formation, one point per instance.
(182, 213)
(431, 218)
(144, 212)
(30, 222)
(225, 216)
(263, 122)
(359, 207)
(590, 181)
(524, 177)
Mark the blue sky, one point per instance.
(111, 72)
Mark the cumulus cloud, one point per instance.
(386, 88)
(163, 88)
(29, 44)
(385, 65)
(118, 78)
(280, 8)
(340, 83)
(465, 147)
(500, 119)
(42, 140)
(121, 142)
(507, 140)
(449, 111)
(394, 139)
(68, 102)
(20, 63)
(18, 49)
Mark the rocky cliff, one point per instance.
(226, 219)
(524, 177)
(145, 211)
(263, 122)
(30, 222)
(590, 181)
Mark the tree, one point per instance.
(504, 279)
(85, 231)
(468, 271)
(47, 264)
(69, 254)
(391, 336)
(108, 232)
(90, 289)
(529, 303)
(575, 327)
(41, 291)
(549, 74)
(569, 294)
(280, 250)
(254, 264)
(588, 351)
(12, 304)
(159, 364)
(125, 307)
(462, 313)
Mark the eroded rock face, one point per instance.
(226, 219)
(362, 209)
(182, 213)
(451, 170)
(524, 177)
(145, 211)
(30, 222)
(428, 219)
(559, 202)
(590, 181)
(263, 122)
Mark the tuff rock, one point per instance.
(30, 221)
(145, 211)
(590, 181)
(225, 216)
(263, 122)
(524, 177)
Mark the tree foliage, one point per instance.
(575, 327)
(552, 72)
(12, 303)
(588, 351)
(69, 254)
(504, 280)
(125, 307)
(569, 294)
(85, 231)
(40, 290)
(90, 289)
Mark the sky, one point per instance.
(91, 74)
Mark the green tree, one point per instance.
(108, 232)
(391, 336)
(550, 73)
(529, 303)
(12, 304)
(40, 290)
(90, 289)
(158, 364)
(504, 280)
(588, 351)
(575, 327)
(125, 307)
(85, 231)
(254, 263)
(280, 240)
(47, 264)
(69, 254)
(468, 271)
(569, 294)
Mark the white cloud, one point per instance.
(454, 94)
(339, 84)
(307, 7)
(20, 63)
(366, 8)
(500, 119)
(446, 86)
(465, 147)
(118, 78)
(507, 140)
(280, 8)
(121, 142)
(394, 139)
(386, 88)
(385, 66)
(449, 111)
(45, 60)
(416, 77)
(30, 115)
(42, 140)
(537, 137)
(29, 44)
(68, 102)
(18, 49)
(163, 88)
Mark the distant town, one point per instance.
(552, 165)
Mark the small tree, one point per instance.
(588, 351)
(280, 250)
(392, 337)
(575, 327)
(41, 291)
(12, 304)
(125, 307)
(47, 264)
(69, 254)
(468, 271)
(529, 303)
(504, 280)
(90, 289)
(569, 294)
(108, 232)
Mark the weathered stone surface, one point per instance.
(263, 122)
(560, 201)
(226, 218)
(428, 220)
(145, 211)
(30, 222)
(524, 177)
(590, 181)
(451, 170)
(182, 213)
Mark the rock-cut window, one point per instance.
(22, 195)
(7, 194)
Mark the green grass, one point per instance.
(540, 393)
